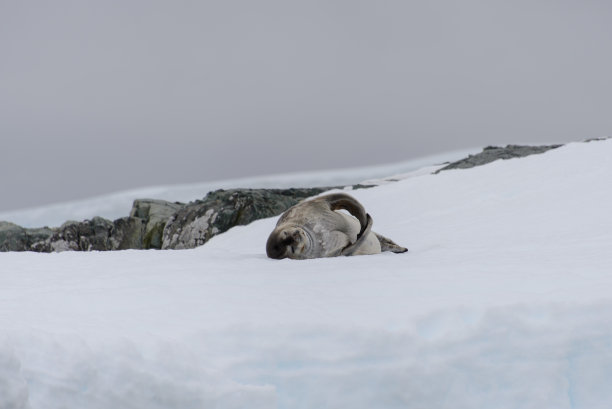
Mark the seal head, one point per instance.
(289, 242)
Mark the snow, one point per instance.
(115, 205)
(503, 301)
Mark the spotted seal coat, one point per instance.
(314, 228)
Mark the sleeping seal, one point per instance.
(314, 228)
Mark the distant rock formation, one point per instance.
(493, 153)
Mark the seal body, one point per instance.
(315, 228)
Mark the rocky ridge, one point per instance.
(158, 224)
(493, 153)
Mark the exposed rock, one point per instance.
(12, 237)
(603, 138)
(493, 153)
(127, 233)
(155, 213)
(95, 234)
(38, 235)
(158, 224)
(195, 223)
(16, 238)
(79, 236)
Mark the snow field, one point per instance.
(503, 301)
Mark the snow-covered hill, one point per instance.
(504, 300)
(118, 204)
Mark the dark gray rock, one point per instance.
(16, 238)
(127, 233)
(603, 138)
(12, 237)
(96, 234)
(37, 236)
(87, 235)
(155, 214)
(493, 153)
(199, 221)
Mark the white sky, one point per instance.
(108, 95)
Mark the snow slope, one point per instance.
(115, 205)
(504, 301)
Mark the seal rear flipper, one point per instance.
(361, 238)
(389, 245)
(339, 201)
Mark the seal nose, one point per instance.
(275, 248)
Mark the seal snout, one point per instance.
(284, 243)
(274, 248)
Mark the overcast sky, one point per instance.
(99, 96)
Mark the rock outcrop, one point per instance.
(95, 234)
(195, 223)
(157, 224)
(155, 214)
(16, 238)
(493, 153)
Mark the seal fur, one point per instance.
(314, 228)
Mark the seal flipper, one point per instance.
(361, 238)
(389, 245)
(339, 201)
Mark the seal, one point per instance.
(314, 228)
